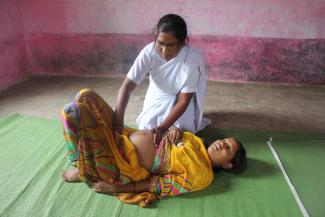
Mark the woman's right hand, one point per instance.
(119, 129)
(122, 100)
(158, 134)
(117, 125)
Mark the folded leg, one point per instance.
(89, 137)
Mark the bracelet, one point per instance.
(161, 130)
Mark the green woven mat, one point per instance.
(32, 156)
(303, 157)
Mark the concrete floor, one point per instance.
(229, 105)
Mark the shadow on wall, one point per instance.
(85, 55)
(226, 58)
(264, 59)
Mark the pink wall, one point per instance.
(14, 64)
(294, 19)
(227, 58)
(244, 40)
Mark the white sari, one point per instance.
(183, 74)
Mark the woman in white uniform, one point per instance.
(176, 92)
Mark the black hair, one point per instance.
(239, 162)
(172, 23)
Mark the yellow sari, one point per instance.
(102, 154)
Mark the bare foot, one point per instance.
(71, 175)
(103, 187)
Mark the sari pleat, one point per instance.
(97, 151)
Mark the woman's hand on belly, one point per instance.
(174, 135)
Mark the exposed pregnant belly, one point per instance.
(143, 141)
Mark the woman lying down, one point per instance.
(130, 166)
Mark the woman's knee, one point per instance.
(92, 99)
(84, 93)
(70, 111)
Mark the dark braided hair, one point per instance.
(172, 23)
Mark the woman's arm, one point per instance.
(122, 100)
(183, 100)
(164, 185)
(140, 186)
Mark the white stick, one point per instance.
(292, 188)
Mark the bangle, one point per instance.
(162, 129)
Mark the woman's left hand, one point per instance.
(174, 135)
(103, 187)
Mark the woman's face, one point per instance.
(168, 45)
(222, 152)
